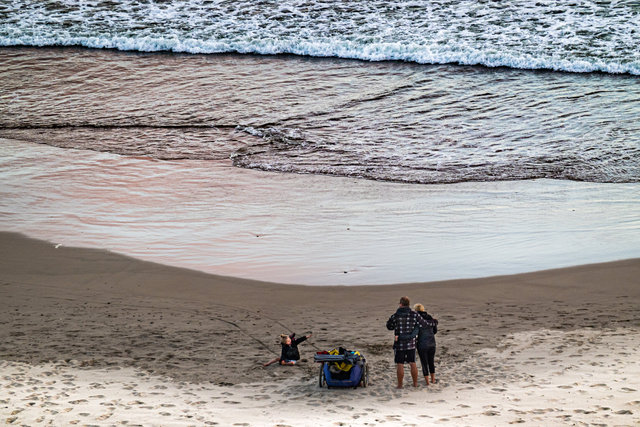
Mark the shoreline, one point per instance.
(92, 323)
(320, 230)
(43, 244)
(193, 209)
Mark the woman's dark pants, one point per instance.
(427, 355)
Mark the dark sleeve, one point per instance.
(434, 327)
(422, 321)
(283, 355)
(391, 323)
(426, 322)
(299, 340)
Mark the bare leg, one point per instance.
(433, 378)
(426, 379)
(414, 373)
(271, 362)
(400, 373)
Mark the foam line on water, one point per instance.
(340, 49)
(585, 36)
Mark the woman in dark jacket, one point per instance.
(426, 344)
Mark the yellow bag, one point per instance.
(343, 366)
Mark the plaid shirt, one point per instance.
(402, 322)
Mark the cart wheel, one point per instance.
(322, 381)
(365, 376)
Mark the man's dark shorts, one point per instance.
(405, 356)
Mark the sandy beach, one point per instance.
(90, 337)
(183, 182)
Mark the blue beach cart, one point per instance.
(342, 368)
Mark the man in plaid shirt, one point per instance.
(403, 321)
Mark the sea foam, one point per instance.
(583, 37)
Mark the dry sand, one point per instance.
(90, 337)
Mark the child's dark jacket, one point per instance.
(290, 351)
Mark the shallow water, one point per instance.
(385, 121)
(139, 153)
(309, 229)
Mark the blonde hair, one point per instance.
(418, 307)
(283, 338)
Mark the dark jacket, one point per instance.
(403, 322)
(425, 334)
(290, 351)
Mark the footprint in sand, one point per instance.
(261, 397)
(539, 411)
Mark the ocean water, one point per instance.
(325, 142)
(575, 35)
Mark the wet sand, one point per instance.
(92, 337)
